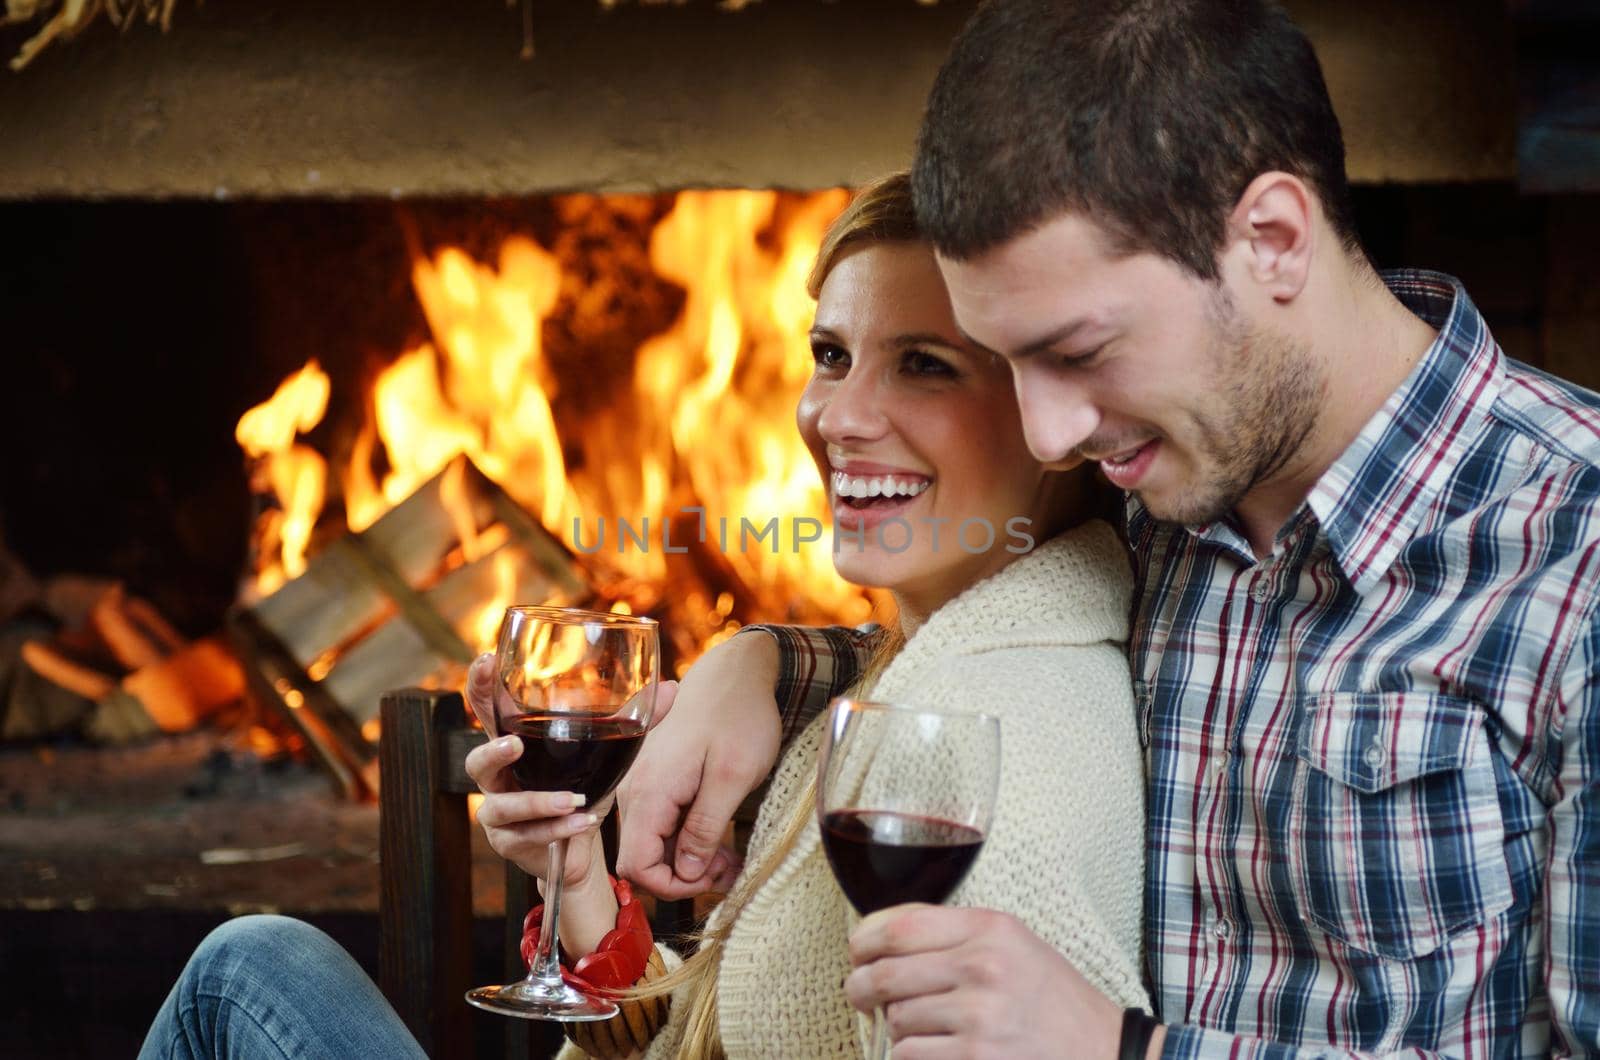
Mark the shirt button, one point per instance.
(1222, 929)
(1260, 591)
(1375, 756)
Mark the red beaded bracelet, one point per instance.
(620, 959)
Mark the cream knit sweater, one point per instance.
(1040, 645)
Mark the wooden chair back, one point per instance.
(425, 868)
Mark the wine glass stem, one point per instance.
(879, 1050)
(546, 966)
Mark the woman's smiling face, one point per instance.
(916, 432)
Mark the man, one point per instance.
(1366, 543)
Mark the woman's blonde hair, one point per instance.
(881, 212)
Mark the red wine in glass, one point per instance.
(882, 858)
(584, 753)
(904, 799)
(579, 688)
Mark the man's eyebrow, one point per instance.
(1039, 345)
(1049, 341)
(826, 334)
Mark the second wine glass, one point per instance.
(579, 688)
(905, 798)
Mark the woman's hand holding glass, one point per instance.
(521, 825)
(566, 702)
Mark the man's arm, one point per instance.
(815, 664)
(1190, 1041)
(1572, 886)
(735, 709)
(975, 982)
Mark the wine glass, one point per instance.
(579, 688)
(904, 800)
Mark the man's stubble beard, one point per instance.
(1267, 402)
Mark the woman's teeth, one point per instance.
(882, 486)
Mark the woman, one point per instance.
(910, 426)
(918, 437)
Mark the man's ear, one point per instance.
(1273, 227)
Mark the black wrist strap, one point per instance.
(1137, 1030)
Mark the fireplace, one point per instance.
(309, 224)
(277, 190)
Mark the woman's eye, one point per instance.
(921, 362)
(829, 356)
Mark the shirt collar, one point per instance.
(1372, 499)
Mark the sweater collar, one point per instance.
(1074, 589)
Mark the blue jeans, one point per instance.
(270, 986)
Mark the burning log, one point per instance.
(177, 691)
(406, 602)
(117, 670)
(75, 677)
(138, 637)
(35, 706)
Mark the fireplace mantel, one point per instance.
(271, 98)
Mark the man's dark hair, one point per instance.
(1151, 117)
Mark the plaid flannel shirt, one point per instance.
(1374, 756)
(814, 665)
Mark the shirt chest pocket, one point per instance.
(1395, 837)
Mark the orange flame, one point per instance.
(723, 384)
(708, 420)
(486, 627)
(294, 473)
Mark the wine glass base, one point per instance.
(535, 1001)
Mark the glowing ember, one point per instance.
(707, 421)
